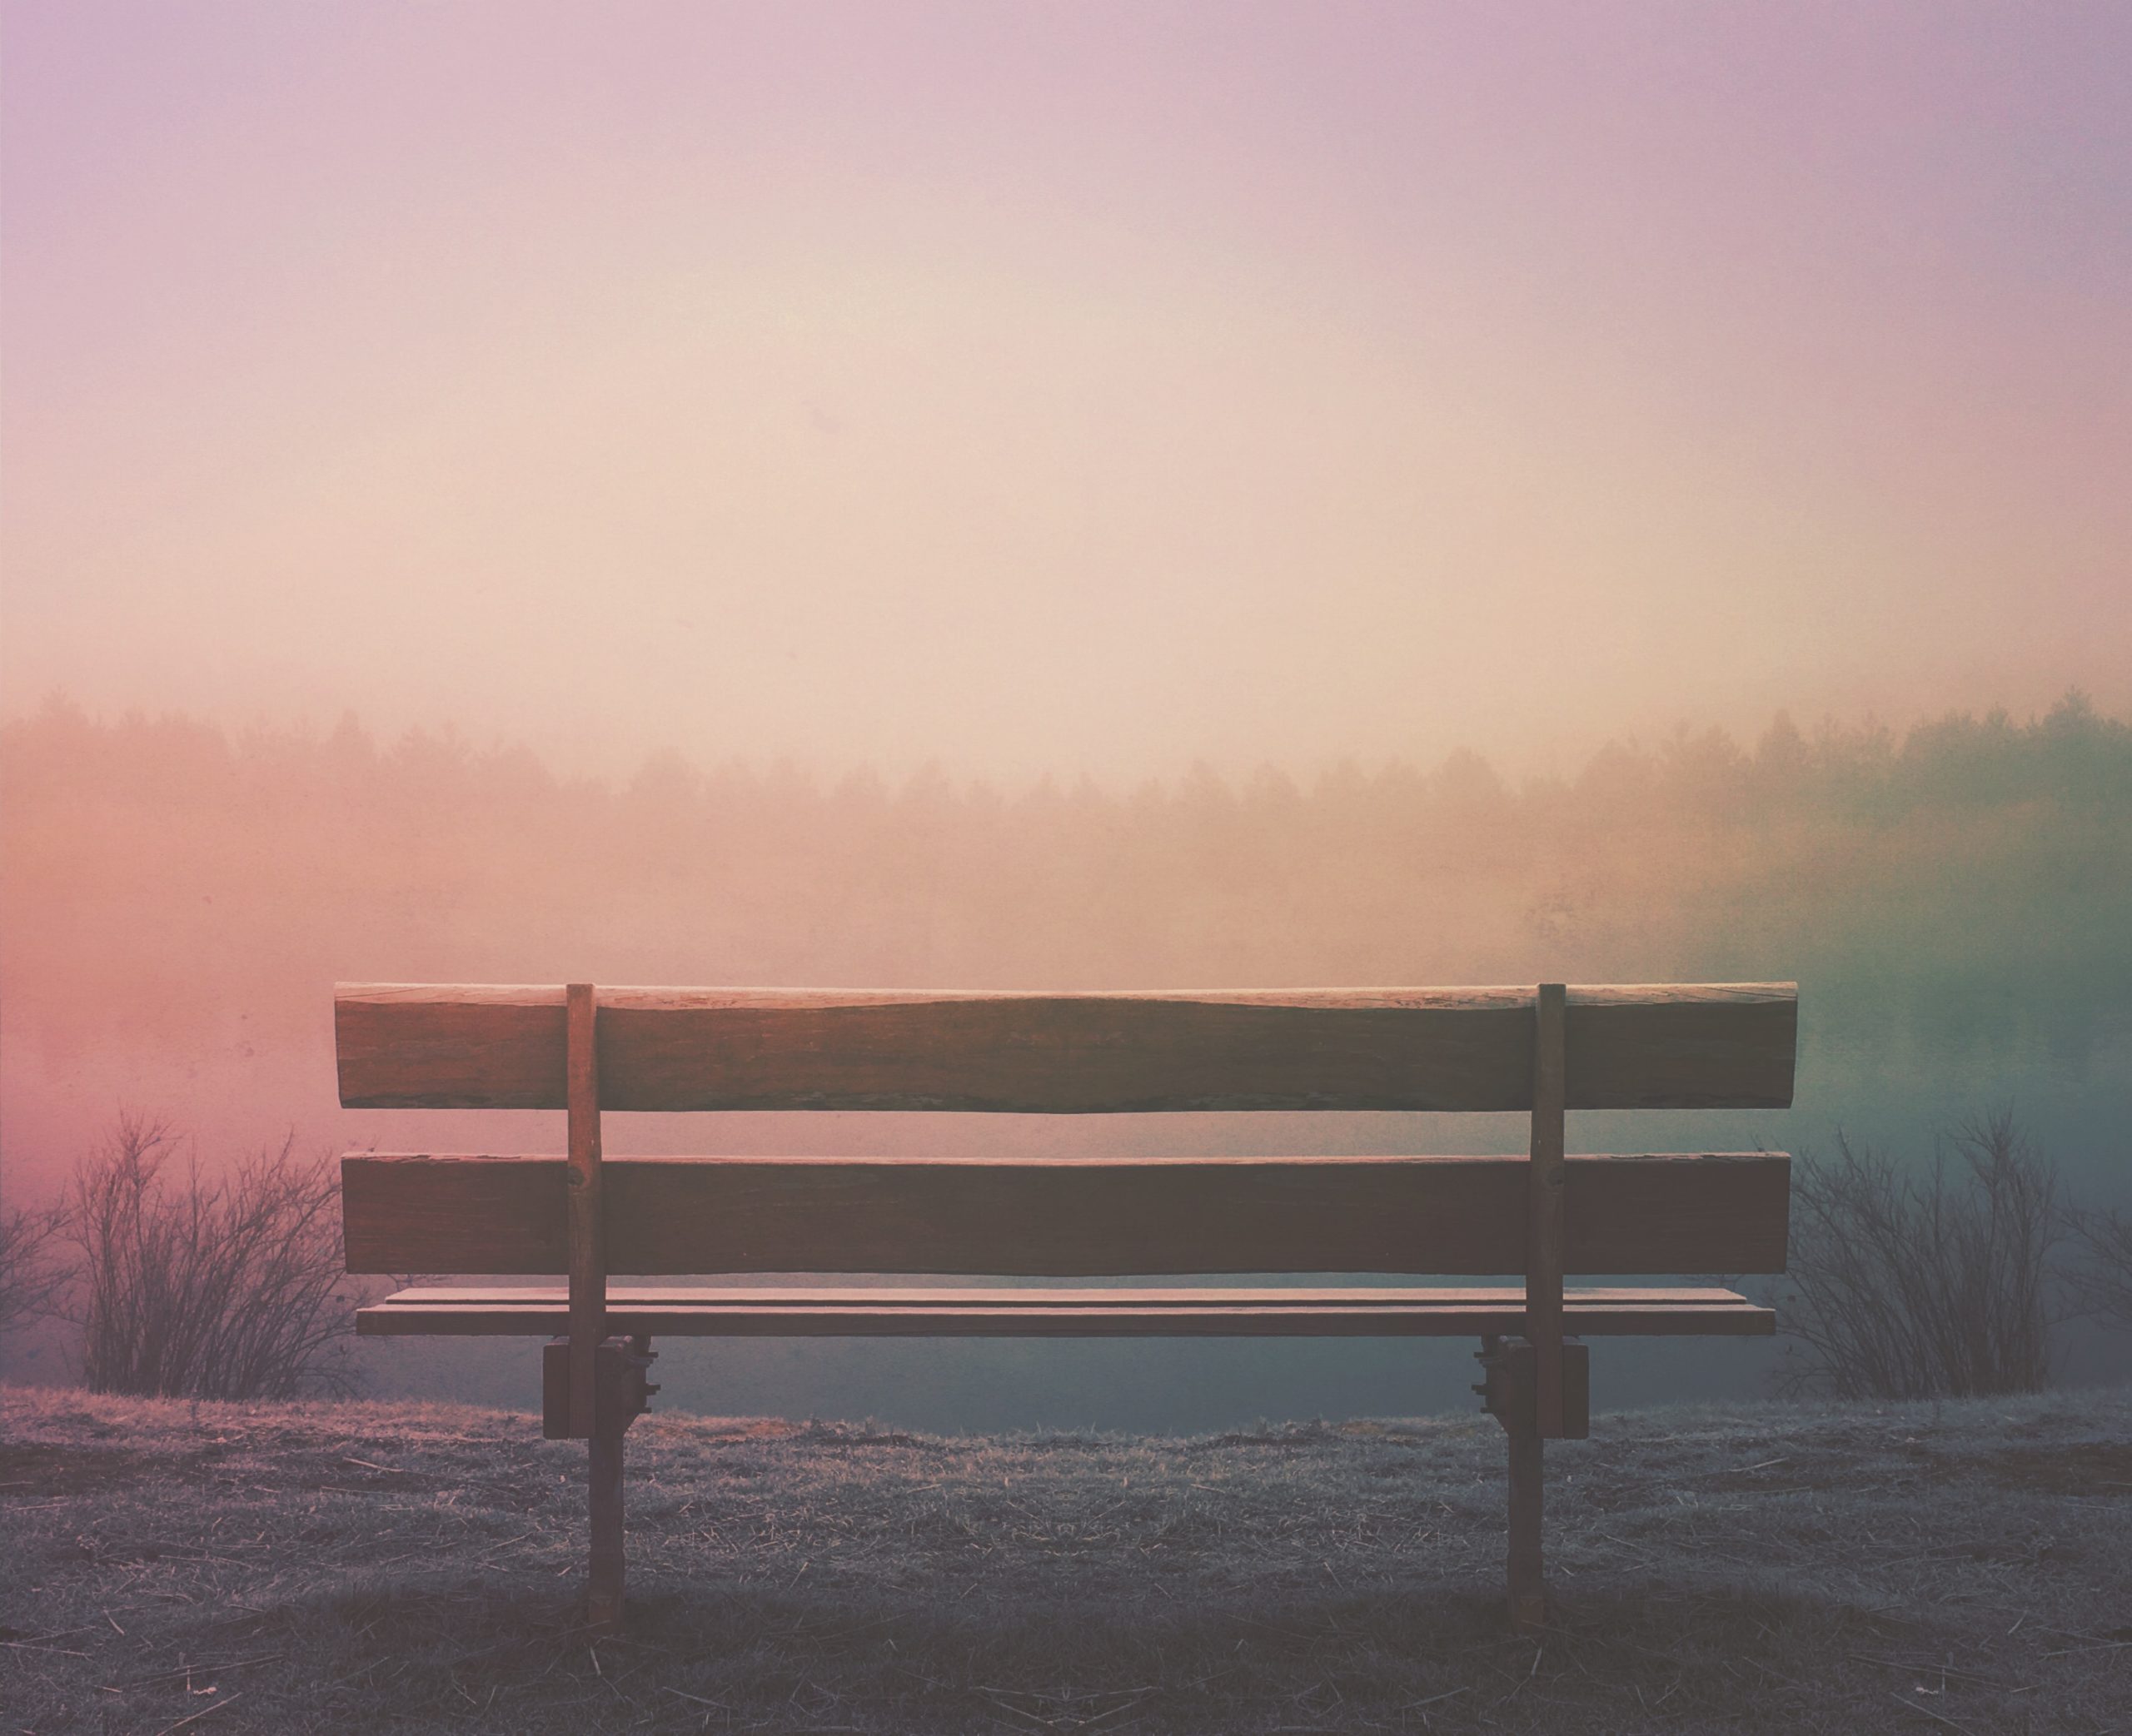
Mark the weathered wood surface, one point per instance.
(716, 1311)
(1056, 1217)
(1527, 1570)
(605, 1581)
(587, 1244)
(1544, 1185)
(1648, 1046)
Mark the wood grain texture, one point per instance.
(586, 1227)
(1092, 1296)
(1711, 1046)
(1037, 1217)
(606, 1569)
(1527, 1579)
(1544, 1203)
(850, 1312)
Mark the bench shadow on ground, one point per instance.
(1629, 1656)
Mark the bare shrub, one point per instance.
(31, 1276)
(228, 1289)
(1918, 1286)
(2100, 1272)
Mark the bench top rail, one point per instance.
(1710, 1046)
(1051, 1217)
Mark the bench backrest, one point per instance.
(1542, 1052)
(1725, 1045)
(1642, 1048)
(1063, 1217)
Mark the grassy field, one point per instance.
(384, 1567)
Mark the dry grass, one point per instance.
(411, 1568)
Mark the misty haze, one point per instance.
(1168, 503)
(1951, 901)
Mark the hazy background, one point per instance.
(1065, 496)
(1069, 385)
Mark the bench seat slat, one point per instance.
(721, 1310)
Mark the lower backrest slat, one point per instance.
(1041, 1217)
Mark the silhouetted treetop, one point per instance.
(152, 861)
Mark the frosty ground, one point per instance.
(411, 1568)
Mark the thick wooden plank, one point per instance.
(1543, 1195)
(724, 1311)
(1706, 1046)
(1091, 1295)
(413, 1046)
(1058, 1217)
(679, 1322)
(586, 1227)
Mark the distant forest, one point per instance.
(1973, 869)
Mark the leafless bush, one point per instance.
(31, 1277)
(2101, 1273)
(1939, 1285)
(229, 1289)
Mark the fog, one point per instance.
(1952, 902)
(1077, 495)
(1087, 387)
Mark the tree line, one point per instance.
(164, 874)
(158, 864)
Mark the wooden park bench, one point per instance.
(1540, 1218)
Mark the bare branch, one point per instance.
(31, 1276)
(2100, 1274)
(1905, 1286)
(229, 1289)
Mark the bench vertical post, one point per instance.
(1543, 1245)
(591, 1422)
(1530, 1425)
(603, 1600)
(1528, 1584)
(587, 1251)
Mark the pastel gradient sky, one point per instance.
(1074, 385)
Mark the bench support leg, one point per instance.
(1509, 1393)
(622, 1395)
(603, 1600)
(1528, 1584)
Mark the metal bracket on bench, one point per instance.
(621, 1393)
(1510, 1385)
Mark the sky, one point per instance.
(1074, 386)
